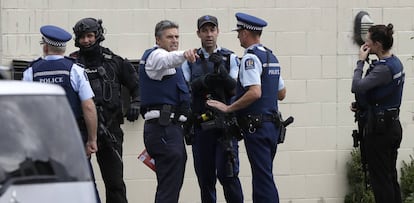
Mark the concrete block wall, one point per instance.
(313, 40)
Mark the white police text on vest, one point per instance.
(274, 72)
(51, 80)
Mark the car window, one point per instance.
(39, 135)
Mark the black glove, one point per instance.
(133, 112)
(222, 72)
(216, 58)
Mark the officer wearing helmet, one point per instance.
(108, 74)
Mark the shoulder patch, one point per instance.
(249, 64)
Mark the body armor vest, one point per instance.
(267, 103)
(171, 90)
(104, 80)
(388, 96)
(58, 72)
(201, 67)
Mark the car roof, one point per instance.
(13, 87)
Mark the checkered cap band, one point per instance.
(53, 42)
(248, 26)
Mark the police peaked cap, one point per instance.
(55, 36)
(249, 22)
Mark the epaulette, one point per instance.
(226, 51)
(71, 59)
(34, 61)
(107, 54)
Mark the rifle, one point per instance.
(358, 135)
(106, 135)
(215, 119)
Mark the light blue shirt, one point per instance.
(78, 78)
(234, 65)
(252, 76)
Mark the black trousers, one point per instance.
(112, 168)
(210, 160)
(166, 145)
(381, 152)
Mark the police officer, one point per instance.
(380, 92)
(213, 75)
(57, 69)
(258, 89)
(165, 101)
(108, 74)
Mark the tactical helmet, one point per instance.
(86, 25)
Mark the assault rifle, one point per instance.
(358, 135)
(105, 134)
(215, 119)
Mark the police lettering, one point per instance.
(274, 72)
(51, 80)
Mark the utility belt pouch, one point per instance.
(165, 115)
(387, 117)
(217, 122)
(208, 125)
(96, 85)
(250, 122)
(380, 124)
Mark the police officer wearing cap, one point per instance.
(55, 68)
(379, 95)
(213, 75)
(108, 74)
(259, 87)
(165, 104)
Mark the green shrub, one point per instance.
(407, 181)
(358, 193)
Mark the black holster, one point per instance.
(165, 115)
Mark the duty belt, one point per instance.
(163, 115)
(252, 122)
(391, 114)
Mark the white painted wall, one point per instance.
(313, 40)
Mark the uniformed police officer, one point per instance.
(165, 101)
(213, 75)
(57, 69)
(380, 93)
(259, 87)
(108, 74)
